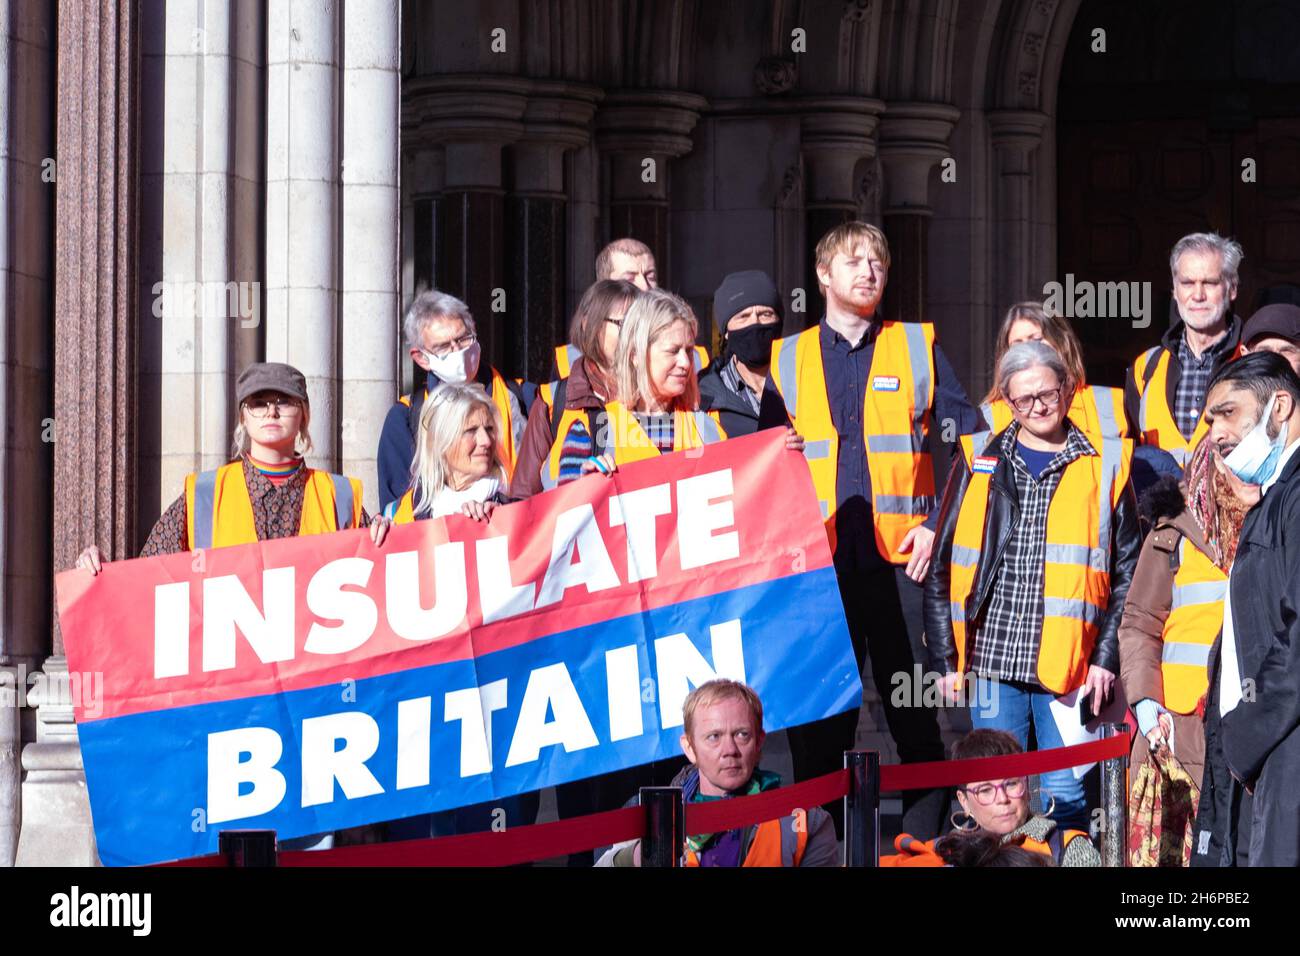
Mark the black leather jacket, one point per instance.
(1003, 509)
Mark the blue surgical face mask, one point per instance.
(1255, 458)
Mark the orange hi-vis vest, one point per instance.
(402, 511)
(1097, 409)
(895, 424)
(219, 512)
(914, 852)
(1076, 563)
(776, 843)
(1194, 621)
(1155, 418)
(626, 439)
(501, 399)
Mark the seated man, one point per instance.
(723, 740)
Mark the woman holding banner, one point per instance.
(267, 492)
(1036, 546)
(458, 470)
(458, 466)
(593, 332)
(657, 408)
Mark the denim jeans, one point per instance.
(1015, 706)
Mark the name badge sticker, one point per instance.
(885, 383)
(985, 464)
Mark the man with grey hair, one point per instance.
(1164, 393)
(441, 338)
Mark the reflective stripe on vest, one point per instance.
(402, 510)
(1076, 560)
(776, 843)
(627, 440)
(219, 512)
(566, 356)
(1097, 409)
(1194, 621)
(1155, 418)
(895, 425)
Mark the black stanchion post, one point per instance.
(862, 809)
(1114, 803)
(665, 826)
(247, 847)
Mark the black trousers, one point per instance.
(883, 608)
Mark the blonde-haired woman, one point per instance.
(458, 469)
(657, 410)
(458, 466)
(267, 492)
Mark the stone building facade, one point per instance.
(187, 187)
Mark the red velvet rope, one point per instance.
(561, 837)
(950, 773)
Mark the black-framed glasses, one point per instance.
(455, 345)
(261, 407)
(986, 793)
(615, 320)
(1025, 403)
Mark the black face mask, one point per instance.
(753, 344)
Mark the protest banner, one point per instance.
(315, 683)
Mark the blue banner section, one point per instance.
(560, 708)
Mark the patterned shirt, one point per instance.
(1006, 637)
(1189, 397)
(276, 513)
(731, 378)
(659, 429)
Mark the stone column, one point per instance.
(200, 281)
(556, 121)
(913, 138)
(370, 226)
(1015, 135)
(421, 182)
(95, 341)
(302, 206)
(836, 135)
(642, 132)
(474, 118)
(27, 187)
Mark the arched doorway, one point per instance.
(1187, 122)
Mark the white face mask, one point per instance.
(458, 367)
(1256, 456)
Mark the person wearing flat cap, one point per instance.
(1274, 328)
(268, 491)
(747, 308)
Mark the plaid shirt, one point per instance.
(1006, 637)
(1196, 373)
(731, 378)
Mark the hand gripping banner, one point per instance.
(316, 683)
